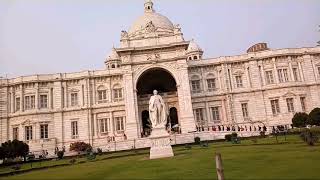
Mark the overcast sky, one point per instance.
(52, 36)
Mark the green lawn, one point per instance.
(290, 159)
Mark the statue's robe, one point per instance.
(157, 111)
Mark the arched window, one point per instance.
(117, 93)
(102, 94)
(113, 66)
(195, 84)
(190, 58)
(195, 57)
(211, 82)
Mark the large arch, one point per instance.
(155, 78)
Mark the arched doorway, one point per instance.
(146, 126)
(156, 78)
(163, 81)
(173, 117)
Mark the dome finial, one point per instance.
(148, 6)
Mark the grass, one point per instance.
(291, 159)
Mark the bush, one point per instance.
(314, 117)
(300, 119)
(99, 151)
(262, 134)
(16, 167)
(315, 130)
(13, 149)
(228, 137)
(309, 137)
(60, 154)
(80, 147)
(296, 130)
(197, 140)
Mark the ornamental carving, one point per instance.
(124, 35)
(152, 57)
(177, 29)
(150, 28)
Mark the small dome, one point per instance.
(113, 55)
(193, 46)
(158, 20)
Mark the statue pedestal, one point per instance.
(160, 144)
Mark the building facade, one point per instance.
(262, 88)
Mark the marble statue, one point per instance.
(157, 111)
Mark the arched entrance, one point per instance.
(145, 123)
(156, 78)
(173, 117)
(161, 80)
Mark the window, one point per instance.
(296, 76)
(303, 103)
(43, 101)
(119, 123)
(18, 104)
(28, 133)
(195, 57)
(29, 102)
(239, 82)
(74, 99)
(244, 107)
(15, 133)
(269, 77)
(199, 114)
(215, 113)
(117, 94)
(103, 123)
(102, 96)
(44, 131)
(319, 71)
(283, 75)
(211, 84)
(290, 104)
(195, 86)
(275, 106)
(74, 129)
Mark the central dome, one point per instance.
(150, 16)
(158, 20)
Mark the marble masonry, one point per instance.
(206, 97)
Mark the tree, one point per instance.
(300, 119)
(314, 117)
(80, 147)
(15, 148)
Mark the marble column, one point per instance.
(131, 130)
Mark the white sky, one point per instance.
(52, 36)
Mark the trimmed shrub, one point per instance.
(262, 134)
(197, 140)
(231, 137)
(315, 130)
(300, 119)
(99, 151)
(309, 137)
(80, 147)
(16, 167)
(314, 117)
(228, 137)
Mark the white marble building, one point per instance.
(262, 87)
